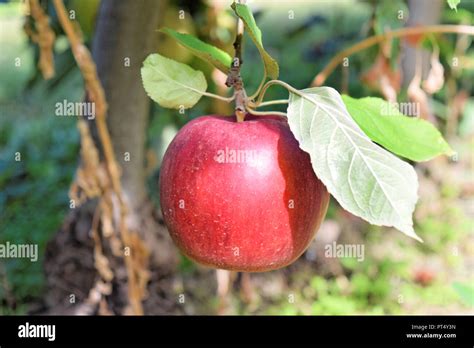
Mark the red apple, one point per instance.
(240, 196)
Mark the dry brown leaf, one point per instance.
(414, 39)
(435, 80)
(380, 76)
(89, 152)
(103, 267)
(116, 246)
(417, 95)
(106, 218)
(414, 91)
(44, 37)
(140, 259)
(91, 177)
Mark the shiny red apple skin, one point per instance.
(244, 213)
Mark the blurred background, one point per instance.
(397, 275)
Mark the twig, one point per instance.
(44, 37)
(216, 96)
(456, 29)
(97, 95)
(265, 113)
(253, 104)
(233, 78)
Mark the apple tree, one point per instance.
(359, 149)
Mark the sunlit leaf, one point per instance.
(409, 137)
(271, 66)
(365, 179)
(453, 4)
(172, 84)
(211, 54)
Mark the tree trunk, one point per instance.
(421, 12)
(125, 35)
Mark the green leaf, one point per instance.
(409, 137)
(387, 15)
(453, 4)
(172, 84)
(244, 13)
(466, 292)
(365, 179)
(217, 57)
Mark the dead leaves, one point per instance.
(139, 262)
(435, 80)
(92, 181)
(44, 37)
(418, 91)
(91, 177)
(382, 77)
(418, 96)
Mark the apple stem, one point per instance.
(233, 78)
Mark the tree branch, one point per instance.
(456, 29)
(233, 78)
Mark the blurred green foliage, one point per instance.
(33, 198)
(33, 191)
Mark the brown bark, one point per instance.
(126, 30)
(125, 33)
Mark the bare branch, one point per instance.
(233, 78)
(44, 37)
(373, 40)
